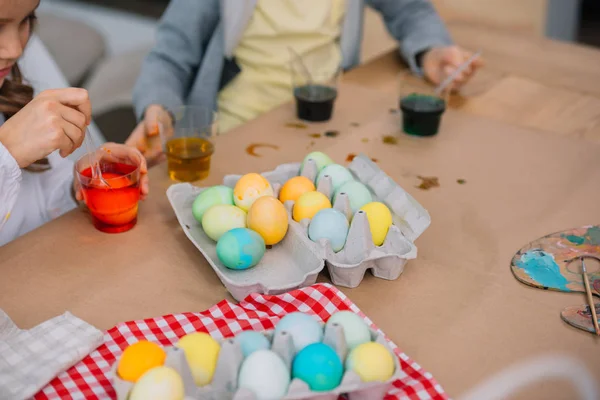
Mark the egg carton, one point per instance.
(296, 261)
(224, 382)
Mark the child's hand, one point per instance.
(439, 62)
(145, 137)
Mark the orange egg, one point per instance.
(308, 204)
(139, 358)
(268, 217)
(249, 188)
(295, 187)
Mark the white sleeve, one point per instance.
(10, 183)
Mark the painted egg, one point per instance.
(249, 188)
(251, 341)
(295, 187)
(265, 374)
(309, 204)
(356, 331)
(139, 358)
(338, 173)
(303, 328)
(222, 218)
(372, 362)
(321, 159)
(358, 194)
(201, 353)
(159, 383)
(210, 197)
(319, 366)
(329, 224)
(380, 220)
(269, 218)
(240, 248)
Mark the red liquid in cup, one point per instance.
(113, 209)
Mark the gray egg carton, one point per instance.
(224, 383)
(296, 261)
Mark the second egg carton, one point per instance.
(224, 383)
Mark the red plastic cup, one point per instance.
(113, 203)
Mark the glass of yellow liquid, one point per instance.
(189, 143)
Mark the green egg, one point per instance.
(358, 194)
(240, 248)
(212, 196)
(320, 158)
(338, 173)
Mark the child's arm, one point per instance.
(168, 71)
(415, 24)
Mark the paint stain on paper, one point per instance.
(543, 269)
(365, 140)
(428, 182)
(315, 135)
(461, 181)
(251, 149)
(332, 133)
(354, 124)
(297, 125)
(389, 139)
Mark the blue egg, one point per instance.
(358, 194)
(319, 366)
(240, 248)
(330, 224)
(250, 341)
(303, 328)
(338, 173)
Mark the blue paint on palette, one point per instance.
(542, 268)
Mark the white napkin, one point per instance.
(29, 359)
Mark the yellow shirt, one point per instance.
(310, 27)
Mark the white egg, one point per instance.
(158, 383)
(265, 374)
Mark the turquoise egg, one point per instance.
(358, 194)
(338, 173)
(212, 196)
(330, 224)
(321, 159)
(319, 366)
(240, 248)
(303, 328)
(250, 341)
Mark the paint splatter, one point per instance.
(251, 148)
(393, 110)
(354, 124)
(332, 133)
(428, 182)
(578, 240)
(593, 235)
(311, 144)
(297, 125)
(315, 135)
(365, 140)
(590, 237)
(390, 139)
(543, 269)
(461, 181)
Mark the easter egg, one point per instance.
(295, 187)
(303, 328)
(210, 197)
(339, 175)
(240, 248)
(380, 220)
(251, 341)
(222, 218)
(309, 204)
(249, 188)
(321, 159)
(329, 224)
(265, 374)
(201, 353)
(319, 366)
(371, 362)
(158, 383)
(356, 331)
(358, 194)
(139, 358)
(269, 218)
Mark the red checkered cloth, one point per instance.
(88, 379)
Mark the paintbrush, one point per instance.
(590, 298)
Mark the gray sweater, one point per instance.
(192, 58)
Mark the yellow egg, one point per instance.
(380, 220)
(269, 219)
(159, 383)
(249, 188)
(201, 353)
(371, 361)
(139, 358)
(295, 187)
(308, 204)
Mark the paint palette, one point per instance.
(553, 263)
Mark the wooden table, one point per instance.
(456, 309)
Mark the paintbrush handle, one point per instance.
(591, 301)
